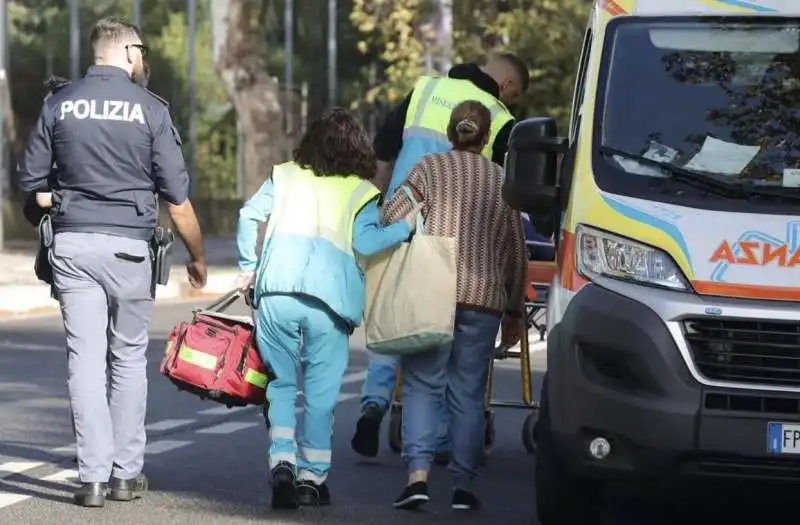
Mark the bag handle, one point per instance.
(415, 203)
(224, 302)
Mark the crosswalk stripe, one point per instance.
(7, 499)
(226, 428)
(164, 445)
(62, 475)
(168, 424)
(17, 467)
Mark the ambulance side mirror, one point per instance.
(531, 168)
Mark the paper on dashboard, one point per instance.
(656, 152)
(725, 158)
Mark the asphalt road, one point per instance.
(207, 464)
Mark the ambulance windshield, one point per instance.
(716, 98)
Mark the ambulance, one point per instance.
(674, 195)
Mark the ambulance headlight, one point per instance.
(598, 253)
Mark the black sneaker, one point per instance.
(284, 493)
(309, 494)
(91, 494)
(413, 497)
(127, 489)
(464, 500)
(367, 437)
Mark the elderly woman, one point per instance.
(460, 193)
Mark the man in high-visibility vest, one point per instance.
(414, 128)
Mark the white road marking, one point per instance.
(69, 449)
(7, 499)
(226, 428)
(16, 345)
(221, 410)
(168, 424)
(354, 377)
(64, 475)
(345, 397)
(155, 447)
(17, 467)
(165, 445)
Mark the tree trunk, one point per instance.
(240, 60)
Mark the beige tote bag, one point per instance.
(411, 294)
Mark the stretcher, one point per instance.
(540, 275)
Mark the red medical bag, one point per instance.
(214, 356)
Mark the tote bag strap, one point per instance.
(415, 203)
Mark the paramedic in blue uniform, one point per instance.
(115, 150)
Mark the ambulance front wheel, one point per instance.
(396, 429)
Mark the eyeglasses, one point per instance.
(143, 49)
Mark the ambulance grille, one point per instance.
(745, 351)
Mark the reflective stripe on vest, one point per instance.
(322, 207)
(434, 99)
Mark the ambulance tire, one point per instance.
(561, 499)
(396, 429)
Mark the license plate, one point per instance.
(783, 438)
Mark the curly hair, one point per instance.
(336, 144)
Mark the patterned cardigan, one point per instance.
(461, 197)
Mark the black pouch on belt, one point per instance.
(161, 244)
(42, 267)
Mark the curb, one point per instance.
(34, 299)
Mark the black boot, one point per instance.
(91, 494)
(309, 494)
(284, 493)
(368, 431)
(127, 489)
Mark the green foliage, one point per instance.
(386, 37)
(216, 122)
(547, 34)
(396, 32)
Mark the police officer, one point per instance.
(414, 128)
(38, 202)
(115, 147)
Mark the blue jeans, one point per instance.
(379, 386)
(457, 373)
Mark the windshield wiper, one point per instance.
(789, 194)
(708, 182)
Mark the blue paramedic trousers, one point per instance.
(300, 334)
(379, 386)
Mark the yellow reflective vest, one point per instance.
(308, 245)
(425, 131)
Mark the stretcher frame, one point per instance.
(539, 278)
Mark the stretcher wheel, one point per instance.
(396, 429)
(489, 433)
(528, 427)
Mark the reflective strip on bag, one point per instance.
(168, 348)
(197, 358)
(256, 378)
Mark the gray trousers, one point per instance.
(103, 286)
